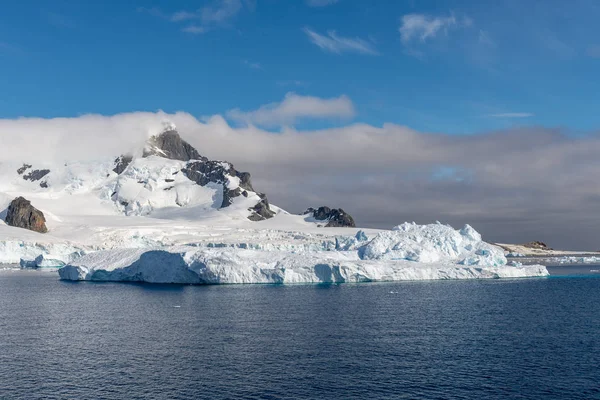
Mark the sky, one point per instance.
(479, 112)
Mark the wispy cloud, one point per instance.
(195, 29)
(511, 115)
(334, 43)
(295, 107)
(320, 3)
(182, 16)
(219, 13)
(222, 11)
(253, 65)
(421, 27)
(485, 39)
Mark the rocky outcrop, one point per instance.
(261, 210)
(121, 163)
(22, 214)
(34, 175)
(24, 168)
(336, 217)
(170, 145)
(221, 172)
(537, 245)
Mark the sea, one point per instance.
(535, 338)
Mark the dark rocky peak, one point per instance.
(22, 214)
(335, 217)
(169, 144)
(201, 170)
(121, 163)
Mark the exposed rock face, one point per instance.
(261, 210)
(22, 214)
(121, 163)
(170, 145)
(336, 217)
(220, 172)
(203, 171)
(34, 175)
(537, 245)
(24, 168)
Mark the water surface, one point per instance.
(528, 338)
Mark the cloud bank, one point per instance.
(514, 185)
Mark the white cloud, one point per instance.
(511, 115)
(339, 44)
(523, 184)
(183, 16)
(421, 27)
(295, 107)
(220, 13)
(320, 3)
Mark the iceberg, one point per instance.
(233, 265)
(433, 243)
(34, 255)
(410, 252)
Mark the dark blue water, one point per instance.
(518, 339)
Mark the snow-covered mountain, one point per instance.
(166, 213)
(168, 174)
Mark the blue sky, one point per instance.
(436, 66)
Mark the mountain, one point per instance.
(167, 213)
(170, 174)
